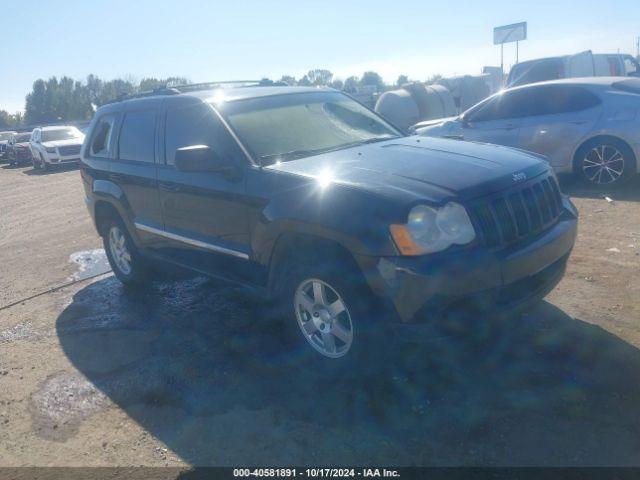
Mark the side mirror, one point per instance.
(198, 158)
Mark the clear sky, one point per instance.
(250, 39)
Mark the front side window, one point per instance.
(101, 140)
(58, 134)
(5, 136)
(187, 126)
(502, 106)
(284, 127)
(137, 136)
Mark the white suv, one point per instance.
(55, 145)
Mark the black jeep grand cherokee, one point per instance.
(312, 197)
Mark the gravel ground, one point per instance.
(91, 375)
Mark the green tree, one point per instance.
(351, 84)
(372, 78)
(10, 121)
(433, 79)
(319, 77)
(402, 80)
(337, 84)
(288, 79)
(304, 81)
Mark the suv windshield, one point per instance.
(25, 137)
(284, 127)
(59, 134)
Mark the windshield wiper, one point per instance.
(290, 155)
(293, 154)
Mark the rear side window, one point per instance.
(187, 126)
(100, 145)
(137, 136)
(558, 99)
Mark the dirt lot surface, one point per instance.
(182, 374)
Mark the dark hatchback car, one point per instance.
(349, 225)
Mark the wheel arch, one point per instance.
(291, 246)
(103, 211)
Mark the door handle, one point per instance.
(118, 177)
(169, 186)
(578, 122)
(510, 126)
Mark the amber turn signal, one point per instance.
(404, 241)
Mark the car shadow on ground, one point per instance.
(629, 191)
(194, 365)
(14, 167)
(53, 169)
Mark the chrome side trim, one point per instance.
(190, 241)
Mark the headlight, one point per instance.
(50, 149)
(430, 230)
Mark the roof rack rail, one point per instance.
(148, 93)
(206, 85)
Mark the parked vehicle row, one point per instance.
(583, 64)
(589, 127)
(352, 227)
(43, 147)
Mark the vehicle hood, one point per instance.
(61, 143)
(420, 168)
(22, 145)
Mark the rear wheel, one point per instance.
(605, 162)
(124, 258)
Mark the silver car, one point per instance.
(586, 126)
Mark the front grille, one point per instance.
(518, 213)
(69, 150)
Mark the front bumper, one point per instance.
(424, 289)
(58, 159)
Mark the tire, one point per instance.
(125, 260)
(45, 166)
(36, 164)
(605, 162)
(326, 310)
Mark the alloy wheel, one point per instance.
(323, 318)
(119, 250)
(603, 164)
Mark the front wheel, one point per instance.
(330, 313)
(126, 263)
(605, 163)
(323, 317)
